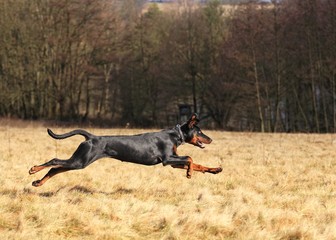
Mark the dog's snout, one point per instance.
(205, 139)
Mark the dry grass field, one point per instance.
(273, 186)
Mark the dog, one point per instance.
(147, 149)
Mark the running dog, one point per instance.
(147, 149)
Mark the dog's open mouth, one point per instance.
(200, 144)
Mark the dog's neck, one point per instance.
(180, 133)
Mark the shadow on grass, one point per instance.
(79, 189)
(50, 193)
(118, 191)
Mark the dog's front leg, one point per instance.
(200, 168)
(184, 162)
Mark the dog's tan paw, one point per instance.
(33, 170)
(37, 183)
(217, 170)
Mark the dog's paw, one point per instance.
(188, 174)
(37, 183)
(33, 170)
(217, 170)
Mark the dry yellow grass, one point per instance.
(273, 186)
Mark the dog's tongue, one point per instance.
(201, 145)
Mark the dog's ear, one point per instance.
(193, 120)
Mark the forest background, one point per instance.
(249, 67)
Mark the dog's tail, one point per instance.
(70, 134)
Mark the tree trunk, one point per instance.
(257, 85)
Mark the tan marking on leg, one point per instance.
(200, 168)
(52, 172)
(190, 167)
(36, 169)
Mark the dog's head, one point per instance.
(193, 134)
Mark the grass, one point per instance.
(273, 186)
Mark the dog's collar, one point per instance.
(178, 128)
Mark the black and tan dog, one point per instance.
(147, 149)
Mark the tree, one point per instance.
(247, 37)
(219, 77)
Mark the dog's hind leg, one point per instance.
(54, 163)
(52, 172)
(80, 159)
